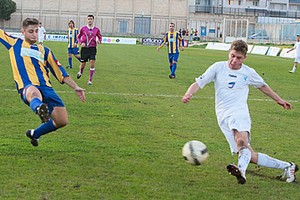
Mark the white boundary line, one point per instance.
(148, 95)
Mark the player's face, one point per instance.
(71, 25)
(236, 59)
(90, 21)
(171, 27)
(31, 33)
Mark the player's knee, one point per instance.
(61, 123)
(240, 143)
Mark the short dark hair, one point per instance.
(30, 21)
(239, 46)
(91, 16)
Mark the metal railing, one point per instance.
(244, 11)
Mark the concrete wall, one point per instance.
(55, 14)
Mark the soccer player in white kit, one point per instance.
(42, 33)
(297, 53)
(231, 81)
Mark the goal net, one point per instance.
(235, 29)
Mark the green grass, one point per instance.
(125, 141)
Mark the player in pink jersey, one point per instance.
(89, 37)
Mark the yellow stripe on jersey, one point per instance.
(56, 70)
(31, 64)
(72, 37)
(15, 70)
(174, 42)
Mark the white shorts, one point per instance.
(41, 39)
(239, 123)
(297, 59)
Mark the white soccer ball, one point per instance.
(195, 152)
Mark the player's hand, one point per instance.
(285, 104)
(186, 98)
(82, 44)
(80, 93)
(182, 48)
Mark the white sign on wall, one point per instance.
(262, 50)
(284, 53)
(273, 51)
(64, 38)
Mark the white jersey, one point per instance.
(231, 89)
(297, 53)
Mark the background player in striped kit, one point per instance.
(31, 65)
(174, 40)
(87, 38)
(72, 43)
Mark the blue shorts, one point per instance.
(173, 57)
(74, 51)
(49, 97)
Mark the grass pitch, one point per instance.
(125, 141)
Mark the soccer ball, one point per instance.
(195, 152)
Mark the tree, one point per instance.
(7, 7)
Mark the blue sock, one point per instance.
(34, 103)
(44, 129)
(70, 61)
(174, 66)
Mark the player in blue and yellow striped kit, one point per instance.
(174, 40)
(31, 65)
(72, 43)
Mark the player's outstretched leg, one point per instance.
(234, 170)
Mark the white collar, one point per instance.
(90, 27)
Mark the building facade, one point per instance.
(112, 16)
(151, 17)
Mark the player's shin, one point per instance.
(44, 129)
(244, 159)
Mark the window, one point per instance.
(142, 25)
(123, 26)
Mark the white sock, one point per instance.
(294, 68)
(266, 161)
(244, 159)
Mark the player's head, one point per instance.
(30, 29)
(90, 19)
(71, 24)
(172, 26)
(298, 37)
(239, 46)
(237, 54)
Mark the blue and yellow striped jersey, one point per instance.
(31, 64)
(174, 41)
(72, 37)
